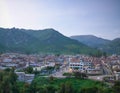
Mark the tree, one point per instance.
(1, 76)
(7, 69)
(50, 89)
(33, 88)
(68, 88)
(105, 54)
(12, 77)
(80, 75)
(6, 85)
(62, 88)
(89, 90)
(8, 81)
(29, 70)
(116, 87)
(26, 88)
(51, 78)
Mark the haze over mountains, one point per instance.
(109, 46)
(39, 41)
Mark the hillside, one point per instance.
(109, 46)
(91, 40)
(39, 41)
(113, 46)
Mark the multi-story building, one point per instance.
(81, 66)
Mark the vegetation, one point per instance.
(91, 40)
(80, 75)
(109, 46)
(40, 41)
(47, 70)
(66, 85)
(29, 70)
(68, 74)
(9, 84)
(116, 87)
(98, 54)
(113, 46)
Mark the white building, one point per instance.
(81, 66)
(117, 75)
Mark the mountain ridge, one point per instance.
(109, 46)
(90, 40)
(40, 41)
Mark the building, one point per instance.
(21, 76)
(25, 77)
(81, 66)
(117, 75)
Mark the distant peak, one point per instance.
(116, 39)
(50, 29)
(84, 35)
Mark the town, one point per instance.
(46, 65)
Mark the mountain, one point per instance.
(39, 41)
(91, 40)
(109, 46)
(113, 46)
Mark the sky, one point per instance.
(69, 17)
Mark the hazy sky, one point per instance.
(70, 17)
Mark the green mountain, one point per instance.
(109, 46)
(113, 47)
(39, 41)
(91, 40)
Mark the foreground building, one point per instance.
(25, 77)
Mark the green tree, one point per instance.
(68, 88)
(80, 75)
(12, 77)
(116, 87)
(6, 85)
(29, 70)
(50, 89)
(8, 81)
(51, 78)
(26, 88)
(1, 76)
(89, 90)
(7, 69)
(62, 88)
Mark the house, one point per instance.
(29, 78)
(81, 66)
(25, 77)
(21, 76)
(117, 75)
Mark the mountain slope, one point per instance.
(40, 41)
(109, 46)
(91, 40)
(113, 46)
